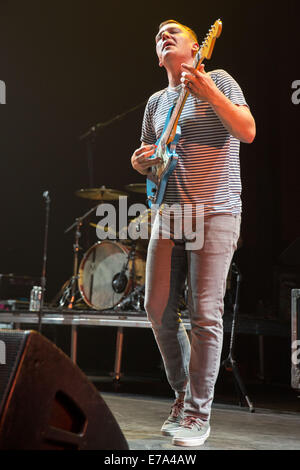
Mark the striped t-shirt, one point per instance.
(208, 168)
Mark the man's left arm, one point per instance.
(238, 120)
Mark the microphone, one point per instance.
(46, 196)
(120, 281)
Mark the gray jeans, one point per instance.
(191, 365)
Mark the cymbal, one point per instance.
(143, 218)
(100, 194)
(137, 187)
(105, 229)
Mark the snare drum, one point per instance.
(102, 280)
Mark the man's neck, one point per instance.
(174, 71)
(173, 77)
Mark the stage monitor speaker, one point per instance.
(46, 402)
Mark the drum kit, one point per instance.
(111, 273)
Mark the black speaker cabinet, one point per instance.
(46, 402)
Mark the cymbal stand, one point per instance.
(69, 291)
(131, 257)
(136, 291)
(76, 248)
(230, 363)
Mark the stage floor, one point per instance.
(232, 427)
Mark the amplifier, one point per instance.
(295, 338)
(13, 286)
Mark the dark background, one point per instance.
(71, 64)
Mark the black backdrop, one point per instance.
(68, 65)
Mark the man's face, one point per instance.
(173, 39)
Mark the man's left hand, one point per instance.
(199, 83)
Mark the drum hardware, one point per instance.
(134, 301)
(230, 363)
(143, 225)
(120, 280)
(108, 272)
(69, 290)
(110, 231)
(100, 194)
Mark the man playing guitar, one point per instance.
(213, 122)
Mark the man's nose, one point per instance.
(165, 35)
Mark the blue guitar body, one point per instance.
(156, 190)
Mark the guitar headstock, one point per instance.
(208, 44)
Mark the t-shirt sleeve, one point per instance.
(228, 85)
(148, 132)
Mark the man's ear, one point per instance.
(195, 48)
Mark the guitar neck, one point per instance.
(204, 52)
(170, 130)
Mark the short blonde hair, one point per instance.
(192, 33)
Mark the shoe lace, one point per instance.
(190, 421)
(176, 408)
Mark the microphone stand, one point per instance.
(97, 127)
(43, 278)
(90, 136)
(230, 363)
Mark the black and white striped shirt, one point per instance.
(208, 168)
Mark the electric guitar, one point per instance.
(166, 144)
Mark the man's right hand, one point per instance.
(141, 159)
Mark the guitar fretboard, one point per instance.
(180, 102)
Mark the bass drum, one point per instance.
(101, 281)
